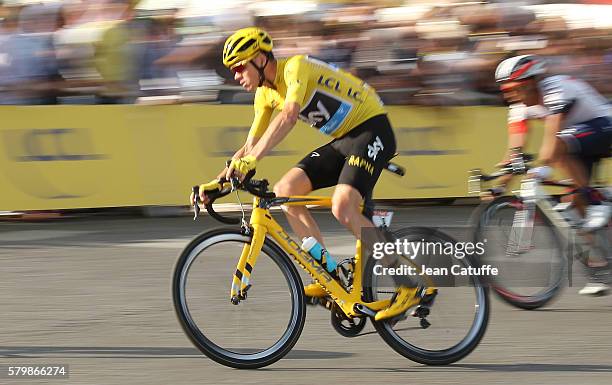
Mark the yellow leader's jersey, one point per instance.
(331, 100)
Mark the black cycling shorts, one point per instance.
(356, 159)
(589, 141)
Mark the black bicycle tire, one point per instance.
(424, 356)
(210, 349)
(525, 302)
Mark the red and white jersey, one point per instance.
(519, 114)
(576, 98)
(560, 94)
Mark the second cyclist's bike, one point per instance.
(533, 238)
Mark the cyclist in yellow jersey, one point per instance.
(330, 100)
(322, 91)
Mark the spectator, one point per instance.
(412, 54)
(114, 59)
(30, 57)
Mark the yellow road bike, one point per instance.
(258, 318)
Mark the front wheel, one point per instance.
(260, 329)
(532, 273)
(457, 319)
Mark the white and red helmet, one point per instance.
(519, 67)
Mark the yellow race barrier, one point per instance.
(64, 157)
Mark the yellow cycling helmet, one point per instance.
(244, 45)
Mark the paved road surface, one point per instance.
(93, 293)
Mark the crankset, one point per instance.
(345, 326)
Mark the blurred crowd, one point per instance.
(169, 51)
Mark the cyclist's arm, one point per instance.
(517, 130)
(296, 74)
(517, 135)
(242, 151)
(277, 130)
(263, 113)
(559, 97)
(552, 125)
(515, 140)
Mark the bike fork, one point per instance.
(521, 235)
(250, 252)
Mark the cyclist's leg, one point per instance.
(296, 182)
(585, 143)
(367, 153)
(582, 145)
(346, 207)
(576, 168)
(317, 170)
(367, 149)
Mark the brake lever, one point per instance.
(235, 182)
(196, 207)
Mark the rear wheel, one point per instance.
(456, 320)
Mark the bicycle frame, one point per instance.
(263, 225)
(532, 192)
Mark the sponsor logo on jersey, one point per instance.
(361, 163)
(334, 84)
(374, 148)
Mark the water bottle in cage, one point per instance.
(342, 271)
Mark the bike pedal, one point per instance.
(235, 300)
(421, 312)
(424, 323)
(424, 309)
